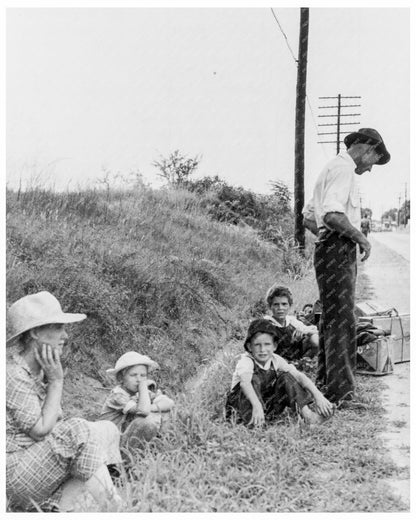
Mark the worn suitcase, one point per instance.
(375, 358)
(394, 324)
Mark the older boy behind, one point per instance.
(295, 339)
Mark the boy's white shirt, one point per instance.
(245, 366)
(291, 320)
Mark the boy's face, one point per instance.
(133, 376)
(280, 307)
(262, 347)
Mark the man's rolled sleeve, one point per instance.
(309, 211)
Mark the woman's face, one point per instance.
(54, 335)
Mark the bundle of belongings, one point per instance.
(374, 354)
(375, 343)
(383, 336)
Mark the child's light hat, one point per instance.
(129, 359)
(35, 310)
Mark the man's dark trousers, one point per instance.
(336, 272)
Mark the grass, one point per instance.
(206, 465)
(155, 274)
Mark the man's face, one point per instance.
(367, 159)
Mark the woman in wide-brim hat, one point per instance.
(50, 460)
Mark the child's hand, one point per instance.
(297, 335)
(257, 417)
(323, 406)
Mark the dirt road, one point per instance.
(388, 270)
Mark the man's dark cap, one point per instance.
(369, 136)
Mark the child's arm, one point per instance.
(303, 330)
(162, 403)
(257, 417)
(143, 401)
(323, 406)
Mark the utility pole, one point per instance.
(398, 213)
(299, 191)
(339, 115)
(405, 204)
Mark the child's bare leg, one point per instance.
(140, 431)
(310, 416)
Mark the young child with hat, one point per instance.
(264, 384)
(135, 405)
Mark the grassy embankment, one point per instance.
(155, 274)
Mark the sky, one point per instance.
(111, 89)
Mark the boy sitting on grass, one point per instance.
(295, 340)
(264, 383)
(134, 405)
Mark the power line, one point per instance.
(296, 61)
(284, 35)
(315, 124)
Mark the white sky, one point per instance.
(115, 88)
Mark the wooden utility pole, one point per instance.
(299, 192)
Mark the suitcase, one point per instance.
(375, 358)
(394, 324)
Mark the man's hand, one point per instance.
(257, 418)
(365, 247)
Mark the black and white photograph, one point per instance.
(207, 258)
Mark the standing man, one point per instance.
(365, 225)
(334, 215)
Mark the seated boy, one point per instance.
(264, 383)
(295, 339)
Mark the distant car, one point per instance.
(376, 226)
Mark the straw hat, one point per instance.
(35, 310)
(130, 359)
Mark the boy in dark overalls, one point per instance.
(264, 383)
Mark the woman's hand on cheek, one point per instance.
(50, 362)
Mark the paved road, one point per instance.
(396, 240)
(388, 269)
